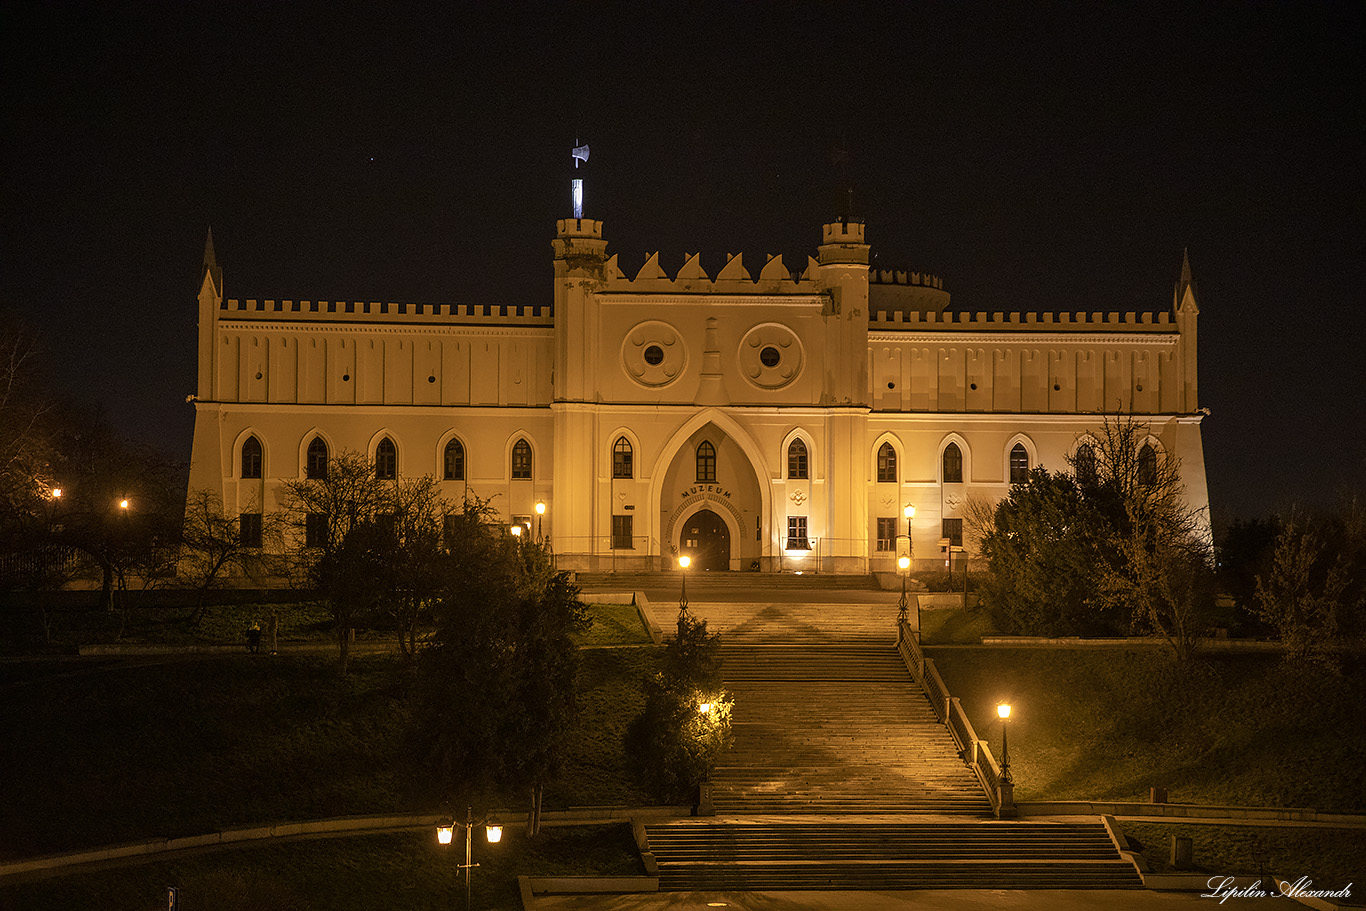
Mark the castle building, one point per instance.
(780, 422)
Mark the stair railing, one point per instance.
(950, 712)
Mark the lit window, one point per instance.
(454, 461)
(796, 460)
(623, 460)
(796, 534)
(1019, 464)
(521, 461)
(251, 458)
(953, 464)
(886, 534)
(316, 462)
(886, 464)
(386, 460)
(706, 461)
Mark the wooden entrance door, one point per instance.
(706, 539)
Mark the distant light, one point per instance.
(444, 834)
(56, 493)
(494, 833)
(704, 708)
(1003, 710)
(517, 530)
(684, 561)
(123, 504)
(797, 573)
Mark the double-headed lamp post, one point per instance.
(445, 833)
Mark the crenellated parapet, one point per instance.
(903, 277)
(775, 277)
(371, 312)
(1112, 321)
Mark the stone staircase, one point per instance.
(836, 727)
(872, 855)
(727, 581)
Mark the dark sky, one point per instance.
(1034, 156)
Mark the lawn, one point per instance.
(1332, 858)
(139, 751)
(1110, 724)
(403, 870)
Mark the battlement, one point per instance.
(902, 277)
(1129, 321)
(843, 232)
(374, 312)
(733, 278)
(579, 227)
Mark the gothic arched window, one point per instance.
(521, 461)
(453, 461)
(706, 461)
(797, 460)
(1019, 464)
(386, 460)
(1084, 463)
(1147, 466)
(251, 458)
(315, 463)
(623, 459)
(953, 464)
(886, 464)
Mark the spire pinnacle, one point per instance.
(211, 266)
(1184, 283)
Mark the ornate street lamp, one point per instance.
(540, 514)
(1003, 711)
(445, 834)
(683, 563)
(903, 564)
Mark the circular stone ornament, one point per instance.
(653, 353)
(770, 356)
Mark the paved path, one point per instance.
(926, 900)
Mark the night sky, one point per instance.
(1034, 156)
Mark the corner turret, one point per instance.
(210, 298)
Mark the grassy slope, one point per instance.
(1239, 730)
(405, 870)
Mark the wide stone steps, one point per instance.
(874, 855)
(836, 727)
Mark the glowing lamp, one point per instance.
(684, 561)
(704, 708)
(123, 504)
(517, 531)
(903, 563)
(56, 493)
(444, 834)
(540, 509)
(910, 512)
(1003, 710)
(493, 833)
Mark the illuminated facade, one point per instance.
(775, 422)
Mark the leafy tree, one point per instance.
(497, 680)
(1043, 560)
(685, 726)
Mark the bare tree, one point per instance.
(213, 545)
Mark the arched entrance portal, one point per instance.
(706, 539)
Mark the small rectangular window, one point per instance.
(315, 530)
(249, 529)
(622, 530)
(886, 534)
(953, 530)
(796, 534)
